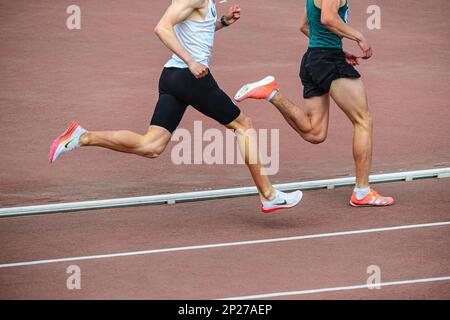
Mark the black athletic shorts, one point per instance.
(320, 67)
(178, 89)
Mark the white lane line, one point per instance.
(356, 287)
(228, 244)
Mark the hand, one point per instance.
(197, 69)
(351, 58)
(233, 15)
(366, 48)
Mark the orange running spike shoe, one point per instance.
(68, 141)
(257, 90)
(373, 199)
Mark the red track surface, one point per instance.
(105, 76)
(234, 271)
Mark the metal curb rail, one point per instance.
(214, 194)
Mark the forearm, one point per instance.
(230, 18)
(340, 28)
(167, 36)
(219, 25)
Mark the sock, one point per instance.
(274, 92)
(361, 193)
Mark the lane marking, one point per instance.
(213, 194)
(224, 245)
(336, 289)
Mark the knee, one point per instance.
(317, 138)
(151, 150)
(317, 135)
(364, 120)
(244, 124)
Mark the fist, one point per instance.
(366, 48)
(234, 14)
(198, 70)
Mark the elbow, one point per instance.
(305, 31)
(158, 30)
(327, 21)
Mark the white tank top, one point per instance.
(197, 37)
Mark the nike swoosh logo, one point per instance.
(67, 144)
(281, 204)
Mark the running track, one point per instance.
(105, 75)
(243, 269)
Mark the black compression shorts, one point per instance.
(178, 88)
(320, 67)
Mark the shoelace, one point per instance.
(377, 196)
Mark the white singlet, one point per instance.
(197, 37)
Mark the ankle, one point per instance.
(362, 186)
(268, 195)
(274, 95)
(85, 139)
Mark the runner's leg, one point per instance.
(350, 96)
(249, 149)
(167, 115)
(150, 145)
(206, 97)
(312, 124)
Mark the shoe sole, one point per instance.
(370, 205)
(240, 95)
(283, 207)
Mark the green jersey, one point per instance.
(320, 36)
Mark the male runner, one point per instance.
(328, 71)
(187, 29)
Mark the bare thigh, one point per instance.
(350, 95)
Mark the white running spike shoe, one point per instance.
(282, 201)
